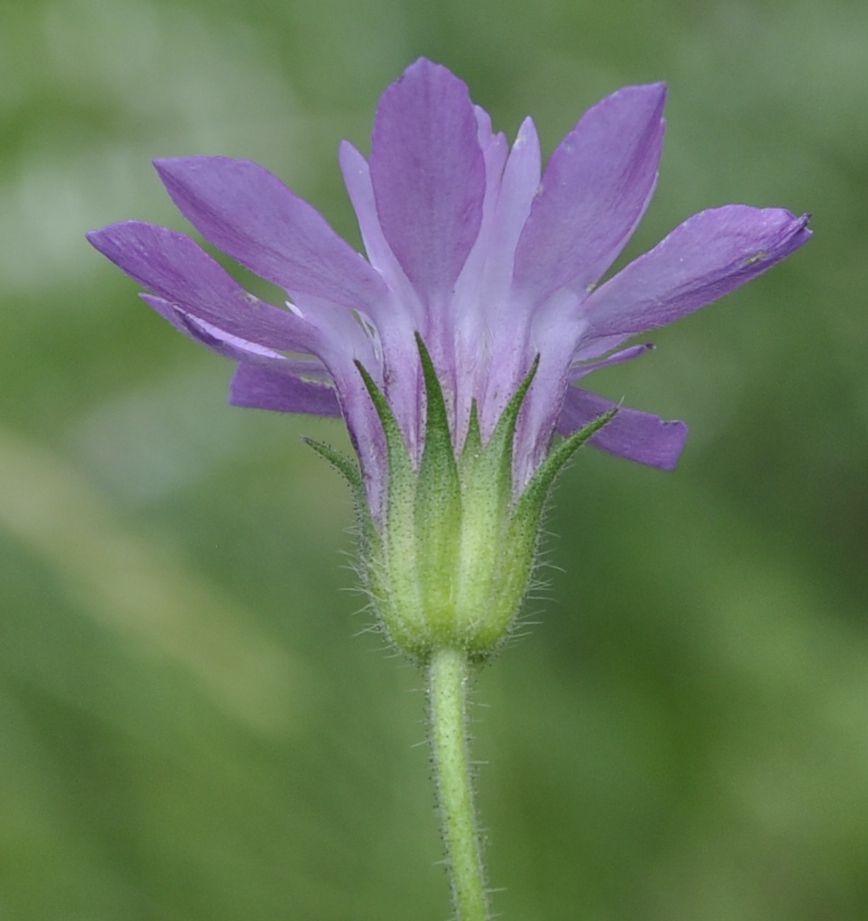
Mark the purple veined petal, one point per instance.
(709, 255)
(484, 130)
(555, 330)
(176, 269)
(428, 176)
(357, 178)
(494, 153)
(233, 347)
(594, 348)
(504, 347)
(257, 387)
(578, 371)
(594, 192)
(248, 213)
(519, 185)
(632, 434)
(398, 317)
(465, 323)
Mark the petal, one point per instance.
(428, 175)
(616, 358)
(706, 257)
(402, 314)
(233, 347)
(521, 180)
(554, 331)
(458, 335)
(174, 267)
(594, 192)
(252, 216)
(357, 178)
(632, 434)
(594, 348)
(494, 149)
(507, 333)
(257, 387)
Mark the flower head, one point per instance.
(482, 281)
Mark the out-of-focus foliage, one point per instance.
(191, 729)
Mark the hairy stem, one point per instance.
(447, 688)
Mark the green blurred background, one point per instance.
(192, 728)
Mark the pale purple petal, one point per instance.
(579, 371)
(709, 255)
(257, 387)
(428, 175)
(632, 434)
(176, 269)
(357, 178)
(252, 216)
(555, 329)
(402, 314)
(597, 347)
(520, 183)
(504, 349)
(233, 347)
(494, 149)
(594, 192)
(460, 330)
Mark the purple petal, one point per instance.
(252, 216)
(594, 192)
(174, 267)
(521, 179)
(507, 318)
(494, 149)
(632, 434)
(554, 331)
(402, 314)
(233, 347)
(594, 348)
(357, 178)
(455, 333)
(617, 358)
(706, 257)
(428, 175)
(257, 387)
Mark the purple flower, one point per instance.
(468, 246)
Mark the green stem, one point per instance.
(447, 688)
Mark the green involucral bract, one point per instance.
(450, 562)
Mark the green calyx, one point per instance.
(450, 562)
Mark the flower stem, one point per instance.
(447, 689)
